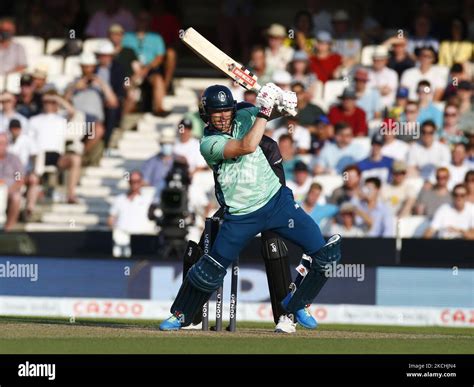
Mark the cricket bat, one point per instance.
(221, 61)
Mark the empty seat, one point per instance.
(91, 45)
(416, 183)
(60, 82)
(332, 90)
(13, 83)
(53, 45)
(412, 226)
(72, 67)
(363, 142)
(33, 45)
(329, 183)
(52, 63)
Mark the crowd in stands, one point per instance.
(384, 131)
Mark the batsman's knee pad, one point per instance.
(317, 276)
(202, 280)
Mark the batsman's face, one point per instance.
(222, 120)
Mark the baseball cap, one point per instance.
(14, 123)
(322, 119)
(116, 28)
(26, 79)
(186, 123)
(377, 138)
(348, 93)
(87, 59)
(167, 136)
(105, 48)
(277, 30)
(300, 55)
(300, 167)
(40, 71)
(347, 207)
(403, 92)
(399, 166)
(281, 77)
(324, 36)
(380, 52)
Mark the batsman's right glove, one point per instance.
(266, 99)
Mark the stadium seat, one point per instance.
(71, 66)
(329, 183)
(13, 83)
(33, 45)
(2, 83)
(366, 55)
(318, 93)
(3, 203)
(91, 45)
(332, 90)
(53, 64)
(53, 45)
(416, 183)
(364, 142)
(60, 82)
(412, 226)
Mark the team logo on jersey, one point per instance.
(221, 96)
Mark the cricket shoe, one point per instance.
(191, 327)
(171, 324)
(303, 316)
(285, 325)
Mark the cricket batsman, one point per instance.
(254, 201)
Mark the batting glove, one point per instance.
(287, 101)
(266, 99)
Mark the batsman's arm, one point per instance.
(248, 143)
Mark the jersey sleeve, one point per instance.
(212, 148)
(246, 117)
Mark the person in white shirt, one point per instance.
(8, 112)
(425, 70)
(392, 146)
(188, 147)
(426, 155)
(48, 131)
(399, 194)
(346, 222)
(276, 54)
(129, 211)
(454, 220)
(25, 149)
(384, 79)
(300, 134)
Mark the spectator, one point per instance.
(382, 78)
(321, 16)
(166, 24)
(301, 181)
(345, 224)
(427, 154)
(12, 175)
(350, 190)
(393, 147)
(258, 64)
(427, 110)
(373, 213)
(8, 113)
(376, 165)
(431, 198)
(91, 95)
(345, 43)
(307, 112)
(112, 13)
(48, 131)
(156, 168)
(400, 104)
(303, 32)
(277, 55)
(288, 154)
(325, 63)
(469, 183)
(298, 133)
(300, 71)
(334, 157)
(12, 55)
(464, 93)
(150, 50)
(111, 72)
(400, 60)
(314, 205)
(39, 75)
(129, 211)
(321, 131)
(23, 146)
(459, 166)
(409, 120)
(425, 70)
(399, 194)
(456, 75)
(28, 101)
(453, 220)
(450, 132)
(458, 49)
(422, 37)
(347, 111)
(368, 98)
(187, 147)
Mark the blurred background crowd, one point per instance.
(383, 142)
